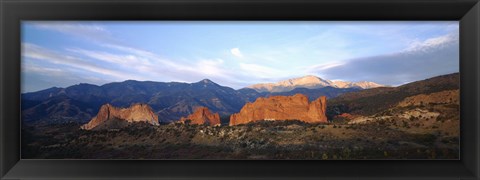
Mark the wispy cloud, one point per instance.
(133, 64)
(70, 27)
(131, 59)
(153, 67)
(39, 53)
(27, 67)
(37, 77)
(324, 66)
(90, 31)
(152, 58)
(433, 43)
(108, 57)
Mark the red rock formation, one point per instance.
(282, 108)
(135, 113)
(202, 116)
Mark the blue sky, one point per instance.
(235, 54)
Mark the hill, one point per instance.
(371, 101)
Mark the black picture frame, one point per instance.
(12, 12)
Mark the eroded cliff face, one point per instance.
(202, 115)
(135, 113)
(296, 107)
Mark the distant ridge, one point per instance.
(310, 82)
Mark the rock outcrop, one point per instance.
(109, 114)
(202, 116)
(296, 107)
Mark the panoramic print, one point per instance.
(226, 90)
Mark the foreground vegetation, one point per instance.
(383, 139)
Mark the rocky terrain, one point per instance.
(202, 116)
(296, 107)
(110, 117)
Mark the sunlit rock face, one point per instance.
(135, 113)
(296, 107)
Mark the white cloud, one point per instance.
(236, 52)
(432, 43)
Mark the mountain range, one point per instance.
(169, 100)
(310, 82)
(173, 100)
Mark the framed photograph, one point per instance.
(240, 89)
